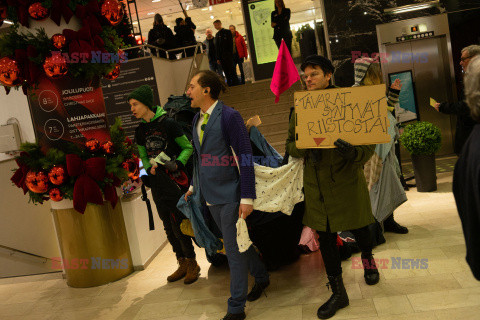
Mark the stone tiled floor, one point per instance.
(445, 290)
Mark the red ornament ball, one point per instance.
(37, 11)
(107, 146)
(55, 194)
(9, 72)
(57, 175)
(92, 145)
(37, 181)
(55, 66)
(112, 10)
(59, 40)
(3, 12)
(112, 75)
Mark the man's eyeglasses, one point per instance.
(465, 58)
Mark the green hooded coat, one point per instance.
(335, 189)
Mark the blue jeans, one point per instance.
(215, 67)
(226, 216)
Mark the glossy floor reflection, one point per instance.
(444, 290)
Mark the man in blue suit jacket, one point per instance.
(219, 134)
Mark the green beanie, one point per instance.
(144, 94)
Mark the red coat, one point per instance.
(241, 46)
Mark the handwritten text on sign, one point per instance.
(357, 115)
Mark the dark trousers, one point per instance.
(229, 69)
(166, 193)
(239, 61)
(215, 67)
(329, 249)
(226, 217)
(288, 42)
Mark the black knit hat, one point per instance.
(144, 94)
(316, 60)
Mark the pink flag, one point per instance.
(285, 73)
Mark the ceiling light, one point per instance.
(150, 13)
(412, 7)
(156, 0)
(211, 17)
(210, 8)
(204, 9)
(188, 6)
(8, 22)
(135, 22)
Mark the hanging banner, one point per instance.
(261, 21)
(133, 74)
(214, 2)
(68, 109)
(357, 115)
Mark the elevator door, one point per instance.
(428, 60)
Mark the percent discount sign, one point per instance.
(357, 115)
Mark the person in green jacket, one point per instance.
(159, 136)
(336, 194)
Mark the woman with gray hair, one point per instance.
(466, 177)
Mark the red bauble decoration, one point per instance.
(59, 40)
(37, 181)
(9, 72)
(107, 146)
(37, 11)
(55, 66)
(92, 145)
(131, 166)
(55, 194)
(57, 175)
(114, 73)
(112, 10)
(3, 12)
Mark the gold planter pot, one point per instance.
(94, 245)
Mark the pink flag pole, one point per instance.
(285, 73)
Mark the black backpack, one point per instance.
(179, 108)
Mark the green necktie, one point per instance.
(204, 124)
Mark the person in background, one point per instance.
(466, 184)
(158, 135)
(336, 194)
(224, 53)
(382, 171)
(212, 58)
(219, 131)
(185, 33)
(281, 25)
(465, 122)
(240, 52)
(161, 36)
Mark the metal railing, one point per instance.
(13, 251)
(168, 53)
(198, 48)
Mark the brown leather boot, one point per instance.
(181, 271)
(193, 271)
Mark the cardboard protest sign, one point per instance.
(357, 115)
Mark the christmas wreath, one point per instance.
(91, 51)
(86, 174)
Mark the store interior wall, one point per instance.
(23, 226)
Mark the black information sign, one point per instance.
(133, 74)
